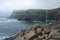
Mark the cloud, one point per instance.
(16, 4)
(26, 4)
(7, 6)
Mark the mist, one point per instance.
(7, 6)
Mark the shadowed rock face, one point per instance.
(36, 14)
(36, 32)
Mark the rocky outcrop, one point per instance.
(54, 25)
(36, 32)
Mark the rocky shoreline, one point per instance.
(36, 32)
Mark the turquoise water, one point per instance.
(9, 27)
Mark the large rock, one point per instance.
(36, 26)
(30, 35)
(39, 31)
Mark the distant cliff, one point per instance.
(36, 14)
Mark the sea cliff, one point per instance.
(36, 14)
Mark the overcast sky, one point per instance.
(10, 5)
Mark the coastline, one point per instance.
(36, 32)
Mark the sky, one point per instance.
(7, 6)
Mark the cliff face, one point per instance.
(36, 14)
(17, 13)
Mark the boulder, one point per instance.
(36, 26)
(40, 37)
(30, 35)
(39, 32)
(46, 31)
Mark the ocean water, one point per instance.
(11, 27)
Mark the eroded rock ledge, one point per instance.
(36, 32)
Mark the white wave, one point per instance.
(3, 37)
(8, 21)
(11, 20)
(4, 21)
